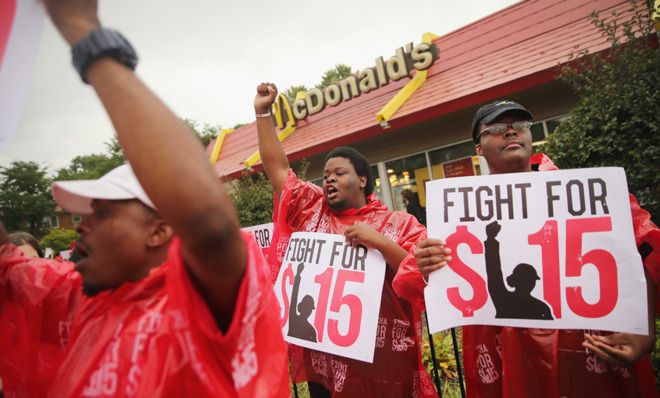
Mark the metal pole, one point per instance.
(436, 378)
(458, 361)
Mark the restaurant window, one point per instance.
(454, 160)
(409, 173)
(552, 124)
(538, 132)
(541, 130)
(378, 188)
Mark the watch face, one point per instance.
(102, 43)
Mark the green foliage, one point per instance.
(292, 91)
(334, 75)
(205, 133)
(253, 195)
(88, 167)
(301, 167)
(25, 199)
(114, 148)
(444, 352)
(617, 120)
(445, 359)
(655, 354)
(59, 239)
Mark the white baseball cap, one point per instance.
(118, 184)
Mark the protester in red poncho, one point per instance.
(345, 205)
(523, 362)
(170, 299)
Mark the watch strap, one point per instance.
(102, 43)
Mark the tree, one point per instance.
(25, 199)
(334, 75)
(617, 119)
(205, 133)
(252, 195)
(292, 91)
(93, 166)
(60, 239)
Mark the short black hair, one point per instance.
(359, 162)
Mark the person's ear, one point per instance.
(363, 182)
(477, 147)
(161, 233)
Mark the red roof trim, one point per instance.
(512, 50)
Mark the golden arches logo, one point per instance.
(282, 112)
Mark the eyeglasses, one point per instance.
(501, 128)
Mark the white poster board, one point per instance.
(21, 22)
(263, 234)
(329, 294)
(561, 252)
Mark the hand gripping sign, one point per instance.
(547, 250)
(329, 294)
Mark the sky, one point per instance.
(204, 59)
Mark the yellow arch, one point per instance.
(282, 102)
(402, 96)
(218, 144)
(279, 121)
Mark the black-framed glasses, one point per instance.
(501, 128)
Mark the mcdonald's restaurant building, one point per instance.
(410, 112)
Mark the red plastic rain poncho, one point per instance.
(154, 337)
(38, 299)
(522, 362)
(397, 370)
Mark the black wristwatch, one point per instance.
(102, 43)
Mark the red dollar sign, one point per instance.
(478, 285)
(287, 279)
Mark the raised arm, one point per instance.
(276, 164)
(170, 164)
(496, 286)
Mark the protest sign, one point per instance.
(262, 235)
(329, 294)
(20, 30)
(548, 250)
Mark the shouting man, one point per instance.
(170, 298)
(346, 205)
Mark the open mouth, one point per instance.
(331, 192)
(79, 255)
